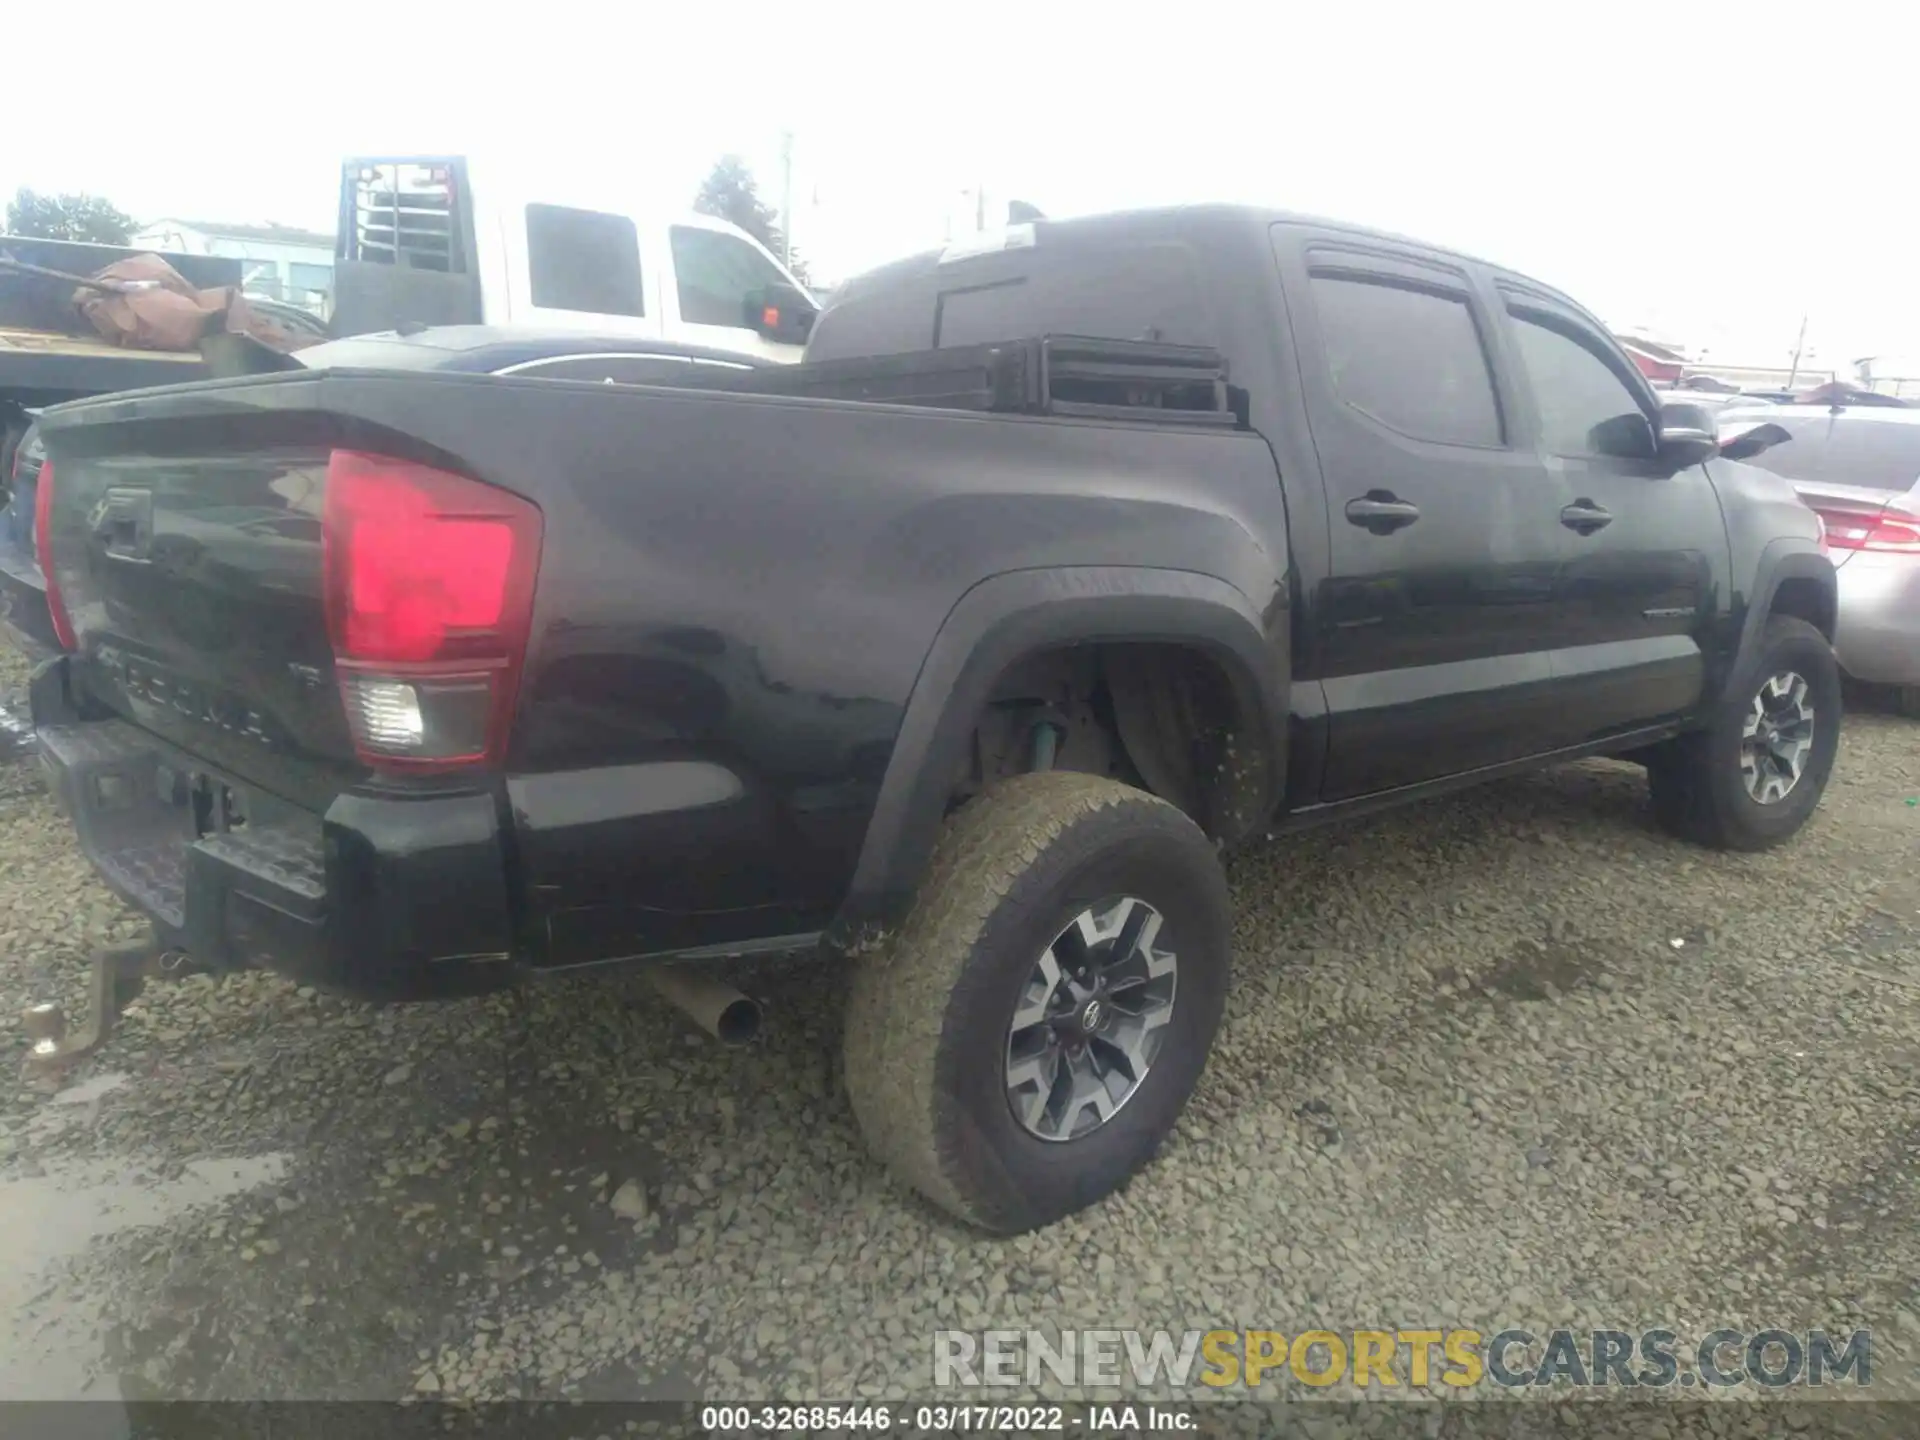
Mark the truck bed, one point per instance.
(48, 351)
(41, 368)
(735, 595)
(40, 303)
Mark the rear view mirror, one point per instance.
(780, 313)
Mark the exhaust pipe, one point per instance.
(715, 1006)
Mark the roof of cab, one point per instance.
(1183, 219)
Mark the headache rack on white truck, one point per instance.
(405, 249)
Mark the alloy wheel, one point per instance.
(1776, 740)
(1090, 1019)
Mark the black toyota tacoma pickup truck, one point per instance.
(1142, 537)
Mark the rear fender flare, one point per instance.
(1009, 616)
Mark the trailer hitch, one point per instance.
(120, 973)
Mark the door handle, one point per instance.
(1381, 512)
(1584, 517)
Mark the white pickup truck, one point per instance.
(440, 240)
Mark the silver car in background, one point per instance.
(1858, 468)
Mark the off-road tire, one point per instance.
(928, 1017)
(1906, 701)
(1695, 779)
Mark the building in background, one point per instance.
(1672, 364)
(282, 262)
(1897, 375)
(1661, 362)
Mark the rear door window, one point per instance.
(1409, 358)
(584, 260)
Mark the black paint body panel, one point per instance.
(763, 625)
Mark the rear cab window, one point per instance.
(408, 214)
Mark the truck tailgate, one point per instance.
(188, 559)
(270, 609)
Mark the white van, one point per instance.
(422, 241)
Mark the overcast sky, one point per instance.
(1713, 171)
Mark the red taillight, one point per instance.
(1848, 531)
(429, 593)
(43, 551)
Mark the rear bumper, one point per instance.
(382, 897)
(1878, 637)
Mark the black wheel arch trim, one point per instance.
(1019, 613)
(1781, 560)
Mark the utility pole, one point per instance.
(786, 197)
(1798, 345)
(980, 206)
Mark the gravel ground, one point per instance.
(1507, 1059)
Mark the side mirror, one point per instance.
(1688, 435)
(1745, 442)
(1624, 437)
(780, 313)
